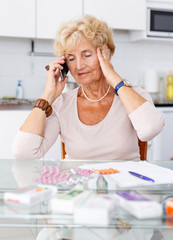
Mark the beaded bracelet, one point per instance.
(44, 106)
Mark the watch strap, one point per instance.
(120, 84)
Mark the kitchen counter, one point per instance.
(16, 104)
(27, 104)
(163, 103)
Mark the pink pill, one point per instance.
(55, 180)
(50, 180)
(57, 168)
(45, 170)
(57, 171)
(69, 175)
(40, 179)
(50, 174)
(44, 179)
(52, 168)
(59, 180)
(56, 175)
(65, 178)
(63, 175)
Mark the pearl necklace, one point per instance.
(97, 100)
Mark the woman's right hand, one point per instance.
(54, 87)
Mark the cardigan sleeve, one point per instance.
(147, 120)
(32, 146)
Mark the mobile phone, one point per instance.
(64, 71)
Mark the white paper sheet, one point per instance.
(124, 179)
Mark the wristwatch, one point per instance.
(124, 82)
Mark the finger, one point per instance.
(53, 72)
(100, 57)
(63, 82)
(105, 52)
(60, 60)
(65, 79)
(57, 72)
(55, 67)
(108, 52)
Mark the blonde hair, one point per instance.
(89, 27)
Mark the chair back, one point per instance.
(63, 152)
(142, 150)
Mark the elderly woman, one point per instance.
(101, 119)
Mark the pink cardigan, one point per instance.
(114, 138)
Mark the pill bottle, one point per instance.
(168, 206)
(101, 184)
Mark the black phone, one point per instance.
(64, 71)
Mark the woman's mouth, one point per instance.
(82, 74)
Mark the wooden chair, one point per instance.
(142, 150)
(63, 152)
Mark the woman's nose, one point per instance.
(80, 63)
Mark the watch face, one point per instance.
(127, 83)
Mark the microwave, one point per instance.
(160, 22)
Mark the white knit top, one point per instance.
(114, 138)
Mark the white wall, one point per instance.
(131, 59)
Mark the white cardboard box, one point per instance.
(66, 202)
(138, 205)
(30, 195)
(95, 210)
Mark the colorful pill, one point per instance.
(105, 171)
(45, 170)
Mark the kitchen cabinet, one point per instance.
(36, 18)
(41, 18)
(10, 122)
(51, 13)
(17, 18)
(119, 14)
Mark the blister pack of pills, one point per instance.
(52, 175)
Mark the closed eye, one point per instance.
(88, 55)
(70, 59)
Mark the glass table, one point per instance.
(21, 173)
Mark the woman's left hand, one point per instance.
(111, 76)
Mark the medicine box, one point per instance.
(138, 205)
(30, 195)
(95, 210)
(65, 203)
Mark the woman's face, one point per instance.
(83, 63)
